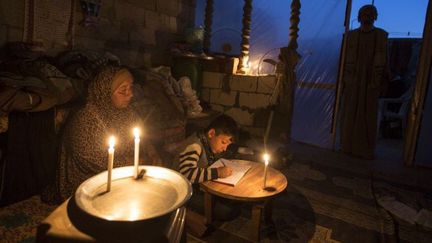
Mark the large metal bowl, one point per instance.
(159, 192)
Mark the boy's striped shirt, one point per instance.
(188, 165)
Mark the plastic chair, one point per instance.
(385, 114)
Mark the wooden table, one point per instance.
(248, 189)
(68, 224)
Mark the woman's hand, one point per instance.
(224, 171)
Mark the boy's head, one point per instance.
(220, 133)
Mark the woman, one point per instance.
(84, 147)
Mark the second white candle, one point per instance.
(110, 161)
(136, 132)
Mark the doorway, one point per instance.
(404, 45)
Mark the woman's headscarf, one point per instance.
(101, 90)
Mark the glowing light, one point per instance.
(111, 142)
(266, 158)
(136, 132)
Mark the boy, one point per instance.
(204, 148)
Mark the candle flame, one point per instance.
(266, 159)
(111, 142)
(136, 132)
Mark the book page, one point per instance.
(238, 171)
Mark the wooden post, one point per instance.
(340, 75)
(290, 57)
(294, 21)
(243, 66)
(422, 80)
(208, 26)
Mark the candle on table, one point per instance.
(110, 161)
(266, 161)
(136, 133)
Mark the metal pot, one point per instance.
(133, 207)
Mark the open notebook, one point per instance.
(238, 170)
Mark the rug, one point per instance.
(322, 203)
(18, 222)
(326, 204)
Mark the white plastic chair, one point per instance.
(384, 114)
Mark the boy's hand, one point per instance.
(224, 171)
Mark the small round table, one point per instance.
(250, 189)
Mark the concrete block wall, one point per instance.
(245, 98)
(11, 20)
(139, 32)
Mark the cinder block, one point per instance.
(152, 19)
(165, 38)
(253, 100)
(105, 30)
(217, 96)
(212, 80)
(164, 21)
(219, 108)
(12, 13)
(144, 35)
(243, 83)
(242, 117)
(266, 84)
(186, 13)
(168, 7)
(173, 24)
(105, 5)
(47, 10)
(130, 12)
(147, 4)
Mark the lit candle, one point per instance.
(111, 143)
(136, 133)
(266, 161)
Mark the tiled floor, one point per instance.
(388, 162)
(307, 171)
(388, 165)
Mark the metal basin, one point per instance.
(159, 192)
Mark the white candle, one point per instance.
(136, 133)
(266, 161)
(110, 161)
